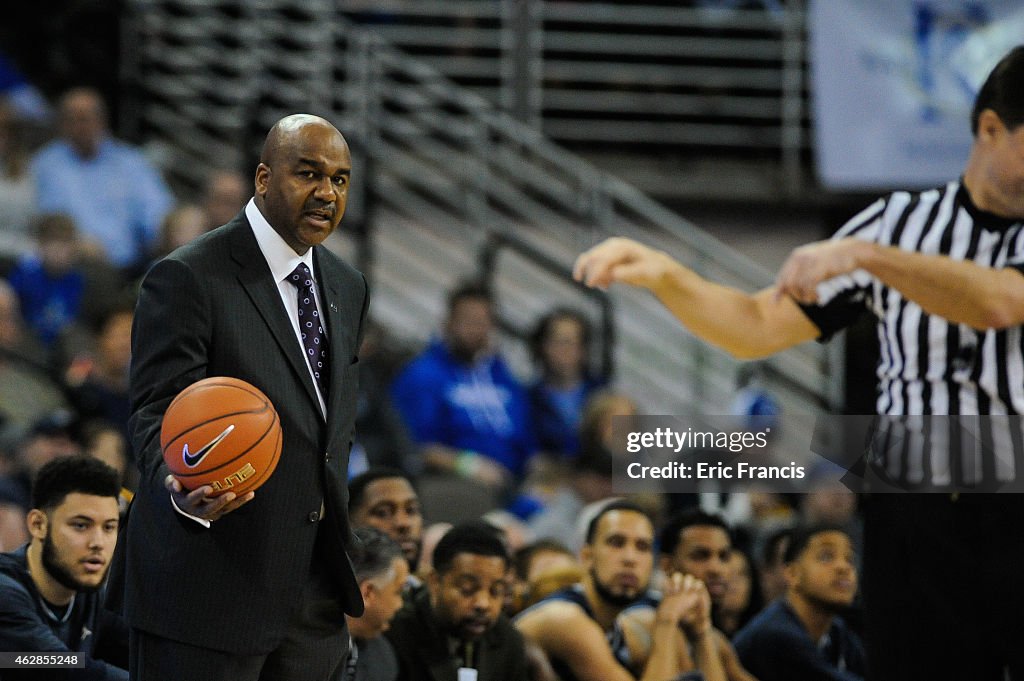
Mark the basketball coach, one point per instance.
(221, 588)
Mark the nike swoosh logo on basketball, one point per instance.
(193, 460)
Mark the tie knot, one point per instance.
(301, 277)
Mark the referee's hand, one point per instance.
(810, 265)
(624, 261)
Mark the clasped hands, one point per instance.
(686, 603)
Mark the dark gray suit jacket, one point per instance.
(213, 309)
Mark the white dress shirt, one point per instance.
(283, 261)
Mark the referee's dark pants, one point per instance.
(315, 646)
(944, 586)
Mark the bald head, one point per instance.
(286, 130)
(302, 179)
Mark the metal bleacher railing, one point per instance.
(700, 77)
(444, 170)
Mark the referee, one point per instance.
(943, 272)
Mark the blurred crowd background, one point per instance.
(492, 142)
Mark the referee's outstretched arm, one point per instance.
(755, 325)
(960, 291)
(745, 325)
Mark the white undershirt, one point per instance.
(283, 261)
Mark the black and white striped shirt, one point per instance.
(928, 365)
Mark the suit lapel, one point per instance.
(254, 275)
(431, 642)
(488, 663)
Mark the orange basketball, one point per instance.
(222, 432)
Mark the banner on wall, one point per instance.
(893, 84)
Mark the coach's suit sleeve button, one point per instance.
(313, 516)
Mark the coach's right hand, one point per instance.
(199, 504)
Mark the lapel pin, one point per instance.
(334, 308)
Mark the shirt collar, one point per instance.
(279, 255)
(103, 149)
(983, 218)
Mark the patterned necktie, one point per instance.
(314, 341)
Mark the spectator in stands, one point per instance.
(561, 350)
(382, 573)
(772, 566)
(13, 503)
(801, 636)
(17, 189)
(461, 401)
(224, 194)
(27, 391)
(540, 569)
(742, 598)
(49, 589)
(50, 282)
(767, 511)
(757, 406)
(115, 196)
(6, 457)
(456, 622)
(102, 390)
(829, 502)
(384, 498)
(51, 437)
(544, 555)
(105, 441)
(580, 627)
(431, 536)
(183, 224)
(16, 339)
(512, 540)
(514, 532)
(382, 438)
(589, 479)
(699, 544)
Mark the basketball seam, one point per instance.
(211, 420)
(271, 466)
(237, 457)
(218, 381)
